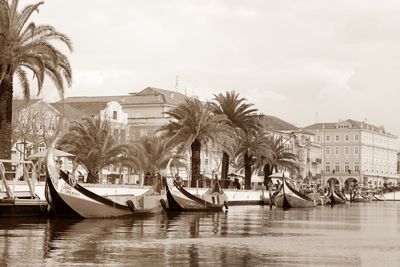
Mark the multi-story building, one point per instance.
(356, 152)
(300, 142)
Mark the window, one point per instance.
(356, 138)
(337, 168)
(337, 150)
(328, 138)
(327, 150)
(356, 167)
(356, 150)
(327, 167)
(115, 115)
(318, 138)
(346, 150)
(206, 162)
(346, 138)
(42, 147)
(142, 132)
(337, 138)
(347, 167)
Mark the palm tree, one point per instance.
(155, 153)
(240, 116)
(281, 157)
(193, 125)
(251, 146)
(26, 47)
(92, 143)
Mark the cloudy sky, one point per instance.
(303, 61)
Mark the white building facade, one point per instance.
(357, 152)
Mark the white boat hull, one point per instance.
(289, 198)
(91, 205)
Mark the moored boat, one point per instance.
(179, 199)
(288, 197)
(359, 197)
(335, 197)
(88, 204)
(378, 197)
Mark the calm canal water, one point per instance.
(358, 234)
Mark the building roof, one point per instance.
(353, 124)
(19, 104)
(274, 123)
(156, 96)
(91, 105)
(69, 111)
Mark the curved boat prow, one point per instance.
(64, 195)
(289, 197)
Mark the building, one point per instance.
(300, 142)
(356, 152)
(35, 126)
(141, 112)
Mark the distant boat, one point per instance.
(179, 199)
(360, 197)
(336, 197)
(64, 192)
(378, 197)
(21, 203)
(288, 197)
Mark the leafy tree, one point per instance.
(281, 158)
(155, 153)
(194, 125)
(33, 126)
(91, 141)
(26, 47)
(240, 116)
(250, 147)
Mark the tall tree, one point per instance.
(91, 141)
(155, 153)
(251, 146)
(281, 158)
(240, 116)
(193, 125)
(26, 47)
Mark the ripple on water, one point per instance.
(350, 235)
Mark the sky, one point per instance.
(304, 61)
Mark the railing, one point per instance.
(23, 169)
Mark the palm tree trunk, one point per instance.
(196, 148)
(247, 171)
(225, 166)
(92, 178)
(6, 96)
(267, 172)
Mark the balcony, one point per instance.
(157, 121)
(339, 173)
(316, 161)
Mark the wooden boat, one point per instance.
(359, 197)
(288, 197)
(378, 197)
(88, 204)
(335, 197)
(21, 203)
(179, 199)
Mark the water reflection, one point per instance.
(351, 235)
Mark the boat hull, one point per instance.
(335, 198)
(178, 199)
(360, 198)
(88, 204)
(288, 197)
(376, 197)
